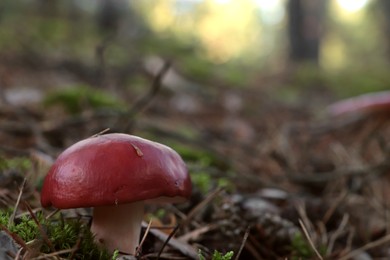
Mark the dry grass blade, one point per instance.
(12, 217)
(54, 254)
(337, 233)
(307, 235)
(334, 206)
(101, 132)
(194, 234)
(367, 246)
(18, 254)
(51, 214)
(144, 237)
(308, 225)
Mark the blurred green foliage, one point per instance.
(355, 81)
(349, 82)
(207, 171)
(16, 163)
(301, 248)
(79, 98)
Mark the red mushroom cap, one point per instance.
(377, 102)
(115, 169)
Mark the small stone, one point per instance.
(7, 246)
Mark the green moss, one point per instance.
(25, 227)
(63, 234)
(192, 154)
(217, 255)
(202, 180)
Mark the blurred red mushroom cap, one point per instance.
(378, 102)
(115, 169)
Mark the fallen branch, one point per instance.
(313, 178)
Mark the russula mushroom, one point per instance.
(378, 102)
(116, 174)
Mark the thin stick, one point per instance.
(309, 239)
(12, 217)
(144, 237)
(144, 101)
(243, 243)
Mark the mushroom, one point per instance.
(372, 103)
(116, 174)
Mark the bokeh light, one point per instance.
(352, 5)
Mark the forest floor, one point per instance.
(272, 179)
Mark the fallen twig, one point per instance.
(143, 102)
(313, 178)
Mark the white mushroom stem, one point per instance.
(118, 227)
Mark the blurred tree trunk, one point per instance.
(305, 28)
(384, 9)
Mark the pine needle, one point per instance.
(309, 239)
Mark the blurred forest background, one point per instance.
(240, 88)
(341, 45)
